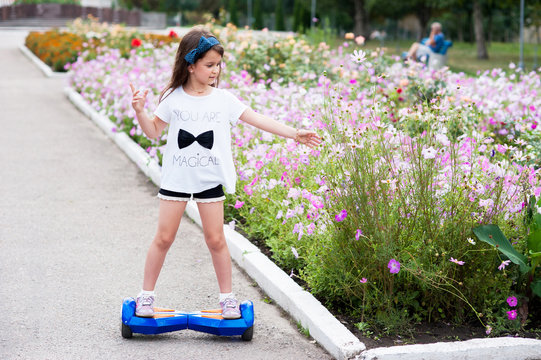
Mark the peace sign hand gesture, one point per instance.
(139, 99)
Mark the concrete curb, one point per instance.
(45, 69)
(486, 349)
(300, 304)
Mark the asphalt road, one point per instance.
(76, 218)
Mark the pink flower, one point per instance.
(317, 202)
(358, 234)
(363, 280)
(504, 264)
(341, 216)
(512, 315)
(457, 261)
(360, 40)
(353, 81)
(248, 190)
(239, 204)
(394, 266)
(488, 330)
(270, 154)
(512, 301)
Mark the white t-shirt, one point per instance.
(192, 167)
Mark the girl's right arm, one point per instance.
(152, 128)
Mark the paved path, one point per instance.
(76, 218)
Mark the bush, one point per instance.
(55, 48)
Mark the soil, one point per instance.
(425, 333)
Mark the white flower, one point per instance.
(488, 203)
(429, 153)
(358, 56)
(471, 241)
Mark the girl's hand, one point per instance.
(139, 99)
(308, 138)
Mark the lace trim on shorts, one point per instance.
(172, 198)
(203, 201)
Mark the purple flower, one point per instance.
(456, 261)
(363, 280)
(341, 216)
(512, 301)
(295, 253)
(503, 265)
(239, 204)
(394, 266)
(512, 315)
(358, 234)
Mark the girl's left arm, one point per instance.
(265, 123)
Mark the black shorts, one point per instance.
(211, 195)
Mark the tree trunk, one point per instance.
(424, 15)
(478, 28)
(360, 18)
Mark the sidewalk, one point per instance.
(76, 219)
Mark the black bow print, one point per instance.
(205, 139)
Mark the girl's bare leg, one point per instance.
(169, 219)
(212, 219)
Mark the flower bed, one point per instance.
(87, 39)
(378, 221)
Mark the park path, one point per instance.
(76, 218)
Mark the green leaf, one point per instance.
(491, 234)
(536, 287)
(536, 260)
(534, 238)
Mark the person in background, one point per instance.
(432, 44)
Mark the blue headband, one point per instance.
(204, 45)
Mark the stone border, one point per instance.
(507, 348)
(330, 333)
(45, 69)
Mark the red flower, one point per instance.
(399, 90)
(136, 42)
(173, 34)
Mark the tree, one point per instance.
(258, 14)
(279, 21)
(360, 18)
(178, 6)
(301, 15)
(479, 31)
(233, 13)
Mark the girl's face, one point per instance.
(206, 69)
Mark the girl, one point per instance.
(197, 161)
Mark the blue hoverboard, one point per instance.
(168, 320)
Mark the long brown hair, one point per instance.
(180, 68)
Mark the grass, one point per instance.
(462, 57)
